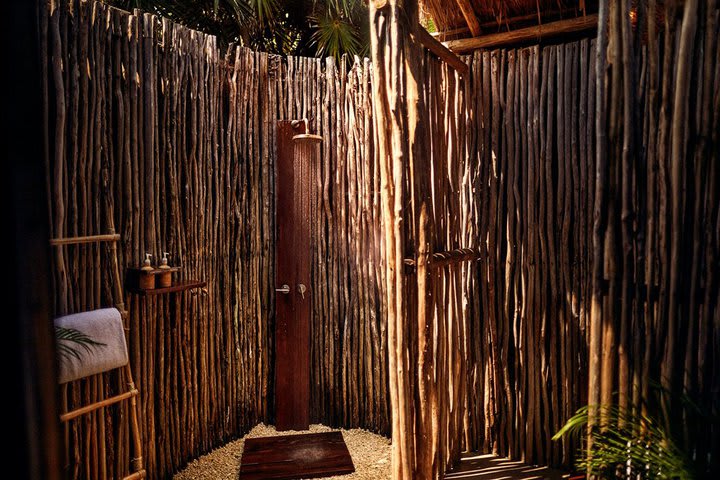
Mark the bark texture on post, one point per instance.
(426, 201)
(402, 152)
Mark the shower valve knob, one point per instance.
(302, 289)
(284, 289)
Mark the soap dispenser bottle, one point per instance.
(165, 275)
(147, 279)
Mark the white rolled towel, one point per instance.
(89, 343)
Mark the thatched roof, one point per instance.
(472, 18)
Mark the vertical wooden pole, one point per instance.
(388, 36)
(678, 146)
(596, 316)
(403, 149)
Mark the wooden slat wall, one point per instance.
(655, 313)
(454, 214)
(184, 135)
(624, 224)
(144, 106)
(531, 112)
(349, 348)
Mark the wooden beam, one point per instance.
(112, 237)
(441, 259)
(65, 417)
(507, 22)
(137, 475)
(440, 50)
(470, 18)
(536, 33)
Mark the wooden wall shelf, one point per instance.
(178, 287)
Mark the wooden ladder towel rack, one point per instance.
(132, 392)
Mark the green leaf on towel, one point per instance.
(73, 343)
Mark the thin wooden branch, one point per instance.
(678, 148)
(500, 23)
(451, 257)
(470, 18)
(447, 34)
(529, 34)
(440, 259)
(440, 50)
(506, 22)
(136, 475)
(66, 417)
(86, 239)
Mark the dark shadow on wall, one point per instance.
(31, 387)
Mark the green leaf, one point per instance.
(72, 343)
(334, 35)
(308, 27)
(632, 442)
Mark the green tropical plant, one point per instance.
(287, 27)
(629, 445)
(72, 343)
(334, 34)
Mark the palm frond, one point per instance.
(242, 10)
(346, 7)
(265, 10)
(631, 443)
(429, 24)
(72, 343)
(334, 35)
(287, 27)
(284, 39)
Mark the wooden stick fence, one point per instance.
(516, 325)
(426, 204)
(186, 136)
(655, 287)
(540, 178)
(534, 137)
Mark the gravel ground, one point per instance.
(370, 454)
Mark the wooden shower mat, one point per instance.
(311, 455)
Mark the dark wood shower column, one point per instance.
(292, 283)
